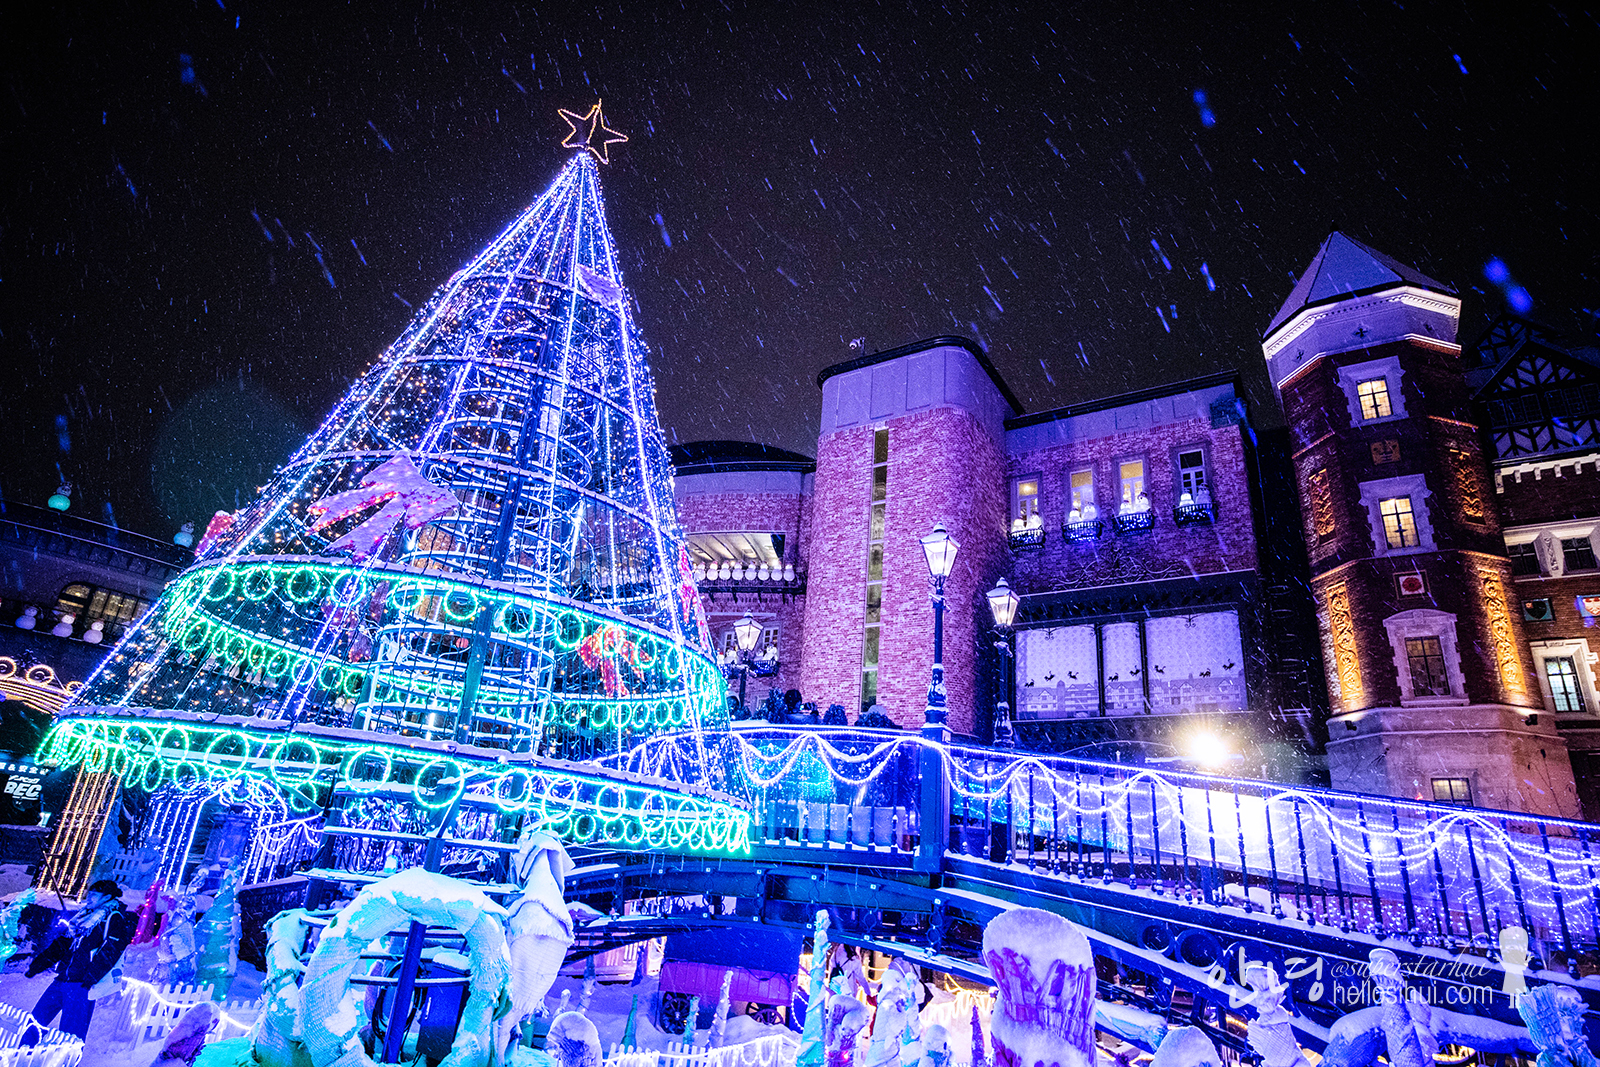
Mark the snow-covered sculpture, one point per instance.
(1514, 961)
(1407, 1024)
(1554, 1015)
(897, 1029)
(935, 1047)
(376, 911)
(539, 930)
(846, 1018)
(574, 1041)
(1271, 1032)
(1043, 969)
(1186, 1046)
(276, 1037)
(719, 1018)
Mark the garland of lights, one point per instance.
(576, 805)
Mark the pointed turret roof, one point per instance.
(1345, 267)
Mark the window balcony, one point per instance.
(1028, 538)
(1199, 514)
(1087, 530)
(1131, 522)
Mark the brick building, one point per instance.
(1129, 526)
(1433, 688)
(1539, 401)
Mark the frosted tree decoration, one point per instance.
(1406, 1022)
(539, 929)
(1043, 970)
(10, 919)
(980, 1047)
(846, 1018)
(719, 1019)
(219, 929)
(690, 1021)
(811, 1048)
(1555, 1018)
(1271, 1032)
(401, 494)
(1186, 1046)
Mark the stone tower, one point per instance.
(910, 437)
(1431, 686)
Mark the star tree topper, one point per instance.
(585, 129)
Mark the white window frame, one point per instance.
(1415, 486)
(1016, 500)
(1546, 541)
(1426, 622)
(1387, 368)
(1577, 650)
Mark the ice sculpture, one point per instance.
(574, 1041)
(1407, 1024)
(846, 1018)
(1044, 970)
(1186, 1046)
(539, 929)
(1271, 1032)
(1554, 1015)
(377, 910)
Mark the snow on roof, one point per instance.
(1344, 266)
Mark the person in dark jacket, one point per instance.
(92, 944)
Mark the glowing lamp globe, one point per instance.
(747, 632)
(940, 549)
(1003, 605)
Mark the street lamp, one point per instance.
(746, 632)
(1003, 606)
(940, 549)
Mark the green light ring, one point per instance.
(446, 765)
(352, 681)
(278, 663)
(459, 618)
(287, 769)
(149, 781)
(613, 829)
(519, 604)
(633, 834)
(195, 636)
(599, 715)
(661, 714)
(583, 828)
(328, 682)
(348, 588)
(231, 646)
(295, 593)
(256, 656)
(351, 762)
(218, 585)
(251, 587)
(520, 799)
(303, 671)
(571, 714)
(218, 755)
(397, 598)
(568, 631)
(382, 689)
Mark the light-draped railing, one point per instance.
(1432, 874)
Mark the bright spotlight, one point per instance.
(1208, 750)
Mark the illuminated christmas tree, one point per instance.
(469, 576)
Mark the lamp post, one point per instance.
(746, 632)
(940, 550)
(1003, 607)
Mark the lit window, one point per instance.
(1427, 667)
(1025, 502)
(1374, 397)
(1452, 791)
(1564, 688)
(1524, 559)
(1083, 505)
(1578, 553)
(90, 604)
(1133, 495)
(1399, 524)
(1191, 473)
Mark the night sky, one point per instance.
(214, 215)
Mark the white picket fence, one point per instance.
(149, 1013)
(774, 1050)
(54, 1049)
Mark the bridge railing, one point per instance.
(1428, 873)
